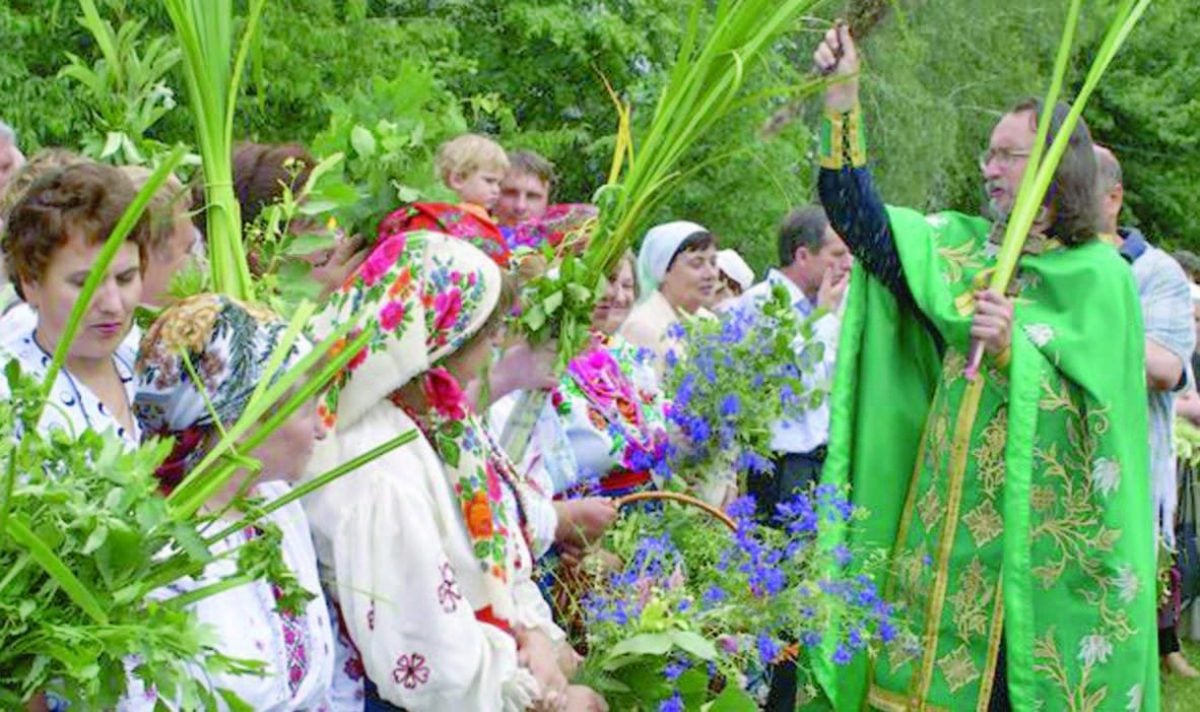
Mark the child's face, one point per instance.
(481, 187)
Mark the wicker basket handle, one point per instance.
(682, 499)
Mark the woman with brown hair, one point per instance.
(54, 234)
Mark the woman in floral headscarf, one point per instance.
(229, 344)
(428, 545)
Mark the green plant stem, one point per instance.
(185, 599)
(318, 482)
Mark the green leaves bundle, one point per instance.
(704, 87)
(205, 32)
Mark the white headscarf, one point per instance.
(734, 267)
(658, 248)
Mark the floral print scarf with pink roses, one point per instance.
(428, 294)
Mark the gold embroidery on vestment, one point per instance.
(984, 523)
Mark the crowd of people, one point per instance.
(1022, 509)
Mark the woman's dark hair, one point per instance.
(1073, 192)
(260, 172)
(695, 242)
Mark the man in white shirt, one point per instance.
(815, 270)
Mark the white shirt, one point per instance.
(72, 407)
(298, 651)
(391, 535)
(810, 430)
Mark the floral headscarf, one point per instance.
(430, 293)
(228, 345)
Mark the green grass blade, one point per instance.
(316, 483)
(54, 566)
(256, 408)
(303, 313)
(198, 486)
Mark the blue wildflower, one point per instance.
(887, 632)
(730, 405)
(675, 668)
(685, 391)
(841, 553)
(841, 656)
(676, 331)
(811, 639)
(696, 428)
(768, 648)
(752, 462)
(674, 703)
(713, 596)
(671, 359)
(742, 507)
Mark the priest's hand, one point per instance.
(837, 58)
(992, 323)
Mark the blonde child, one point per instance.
(473, 166)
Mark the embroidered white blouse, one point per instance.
(408, 582)
(298, 650)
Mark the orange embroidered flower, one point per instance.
(596, 418)
(401, 283)
(328, 419)
(479, 516)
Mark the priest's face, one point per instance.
(1003, 163)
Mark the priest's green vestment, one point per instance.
(1017, 507)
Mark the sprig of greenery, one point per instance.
(704, 87)
(126, 88)
(205, 32)
(86, 523)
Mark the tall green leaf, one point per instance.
(205, 32)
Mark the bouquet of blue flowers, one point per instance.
(697, 614)
(731, 380)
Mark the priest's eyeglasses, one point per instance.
(1004, 156)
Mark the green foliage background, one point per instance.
(528, 72)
